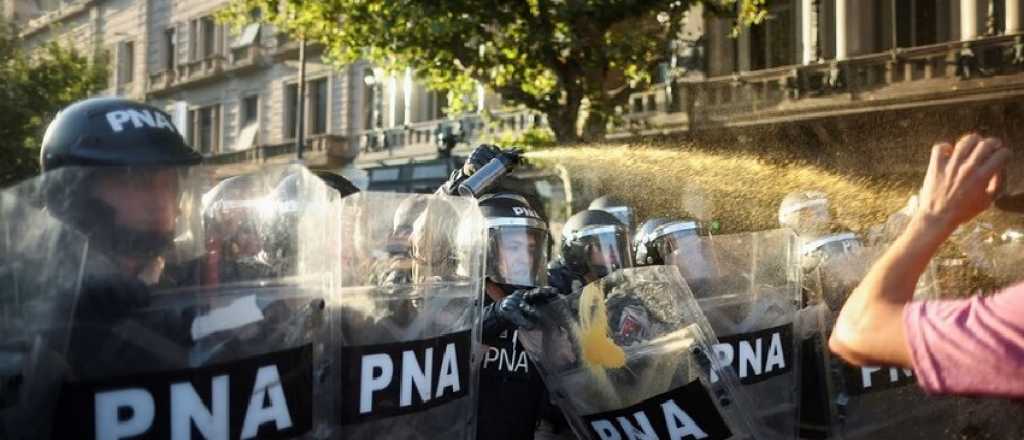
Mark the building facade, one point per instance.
(235, 94)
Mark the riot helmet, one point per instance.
(402, 224)
(338, 182)
(594, 244)
(234, 214)
(806, 213)
(659, 238)
(517, 242)
(126, 199)
(434, 249)
(616, 207)
(114, 132)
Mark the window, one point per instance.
(209, 36)
(204, 129)
(318, 106)
(433, 171)
(385, 174)
(193, 40)
(291, 99)
(922, 22)
(169, 49)
(437, 100)
(126, 63)
(250, 109)
(773, 42)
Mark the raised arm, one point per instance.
(961, 182)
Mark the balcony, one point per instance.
(320, 149)
(241, 60)
(986, 68)
(420, 138)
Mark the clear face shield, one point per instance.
(605, 249)
(517, 252)
(140, 218)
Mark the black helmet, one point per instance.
(639, 245)
(114, 132)
(659, 238)
(595, 242)
(338, 182)
(617, 207)
(517, 237)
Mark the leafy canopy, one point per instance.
(33, 87)
(547, 55)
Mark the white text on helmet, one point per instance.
(524, 212)
(138, 118)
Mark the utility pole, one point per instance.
(300, 101)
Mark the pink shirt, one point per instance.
(972, 346)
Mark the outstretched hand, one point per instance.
(962, 180)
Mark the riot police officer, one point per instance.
(594, 244)
(617, 207)
(658, 238)
(512, 394)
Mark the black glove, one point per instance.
(520, 308)
(110, 297)
(516, 310)
(480, 156)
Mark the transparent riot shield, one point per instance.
(626, 357)
(152, 340)
(406, 319)
(751, 300)
(873, 401)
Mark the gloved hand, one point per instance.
(109, 296)
(516, 310)
(520, 308)
(480, 156)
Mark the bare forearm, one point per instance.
(869, 329)
(893, 278)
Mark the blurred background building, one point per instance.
(812, 68)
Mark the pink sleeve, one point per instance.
(973, 346)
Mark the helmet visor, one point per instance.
(606, 249)
(673, 236)
(517, 255)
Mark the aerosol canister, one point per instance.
(487, 175)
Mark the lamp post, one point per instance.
(300, 101)
(374, 80)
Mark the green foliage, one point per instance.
(33, 87)
(546, 55)
(528, 140)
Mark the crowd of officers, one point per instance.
(137, 224)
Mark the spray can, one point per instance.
(487, 175)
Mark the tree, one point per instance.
(33, 87)
(573, 60)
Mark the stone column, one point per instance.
(809, 30)
(968, 19)
(842, 23)
(1012, 16)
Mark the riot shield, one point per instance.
(137, 338)
(873, 402)
(626, 358)
(751, 300)
(406, 321)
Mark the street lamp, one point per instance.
(374, 79)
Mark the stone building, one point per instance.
(814, 68)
